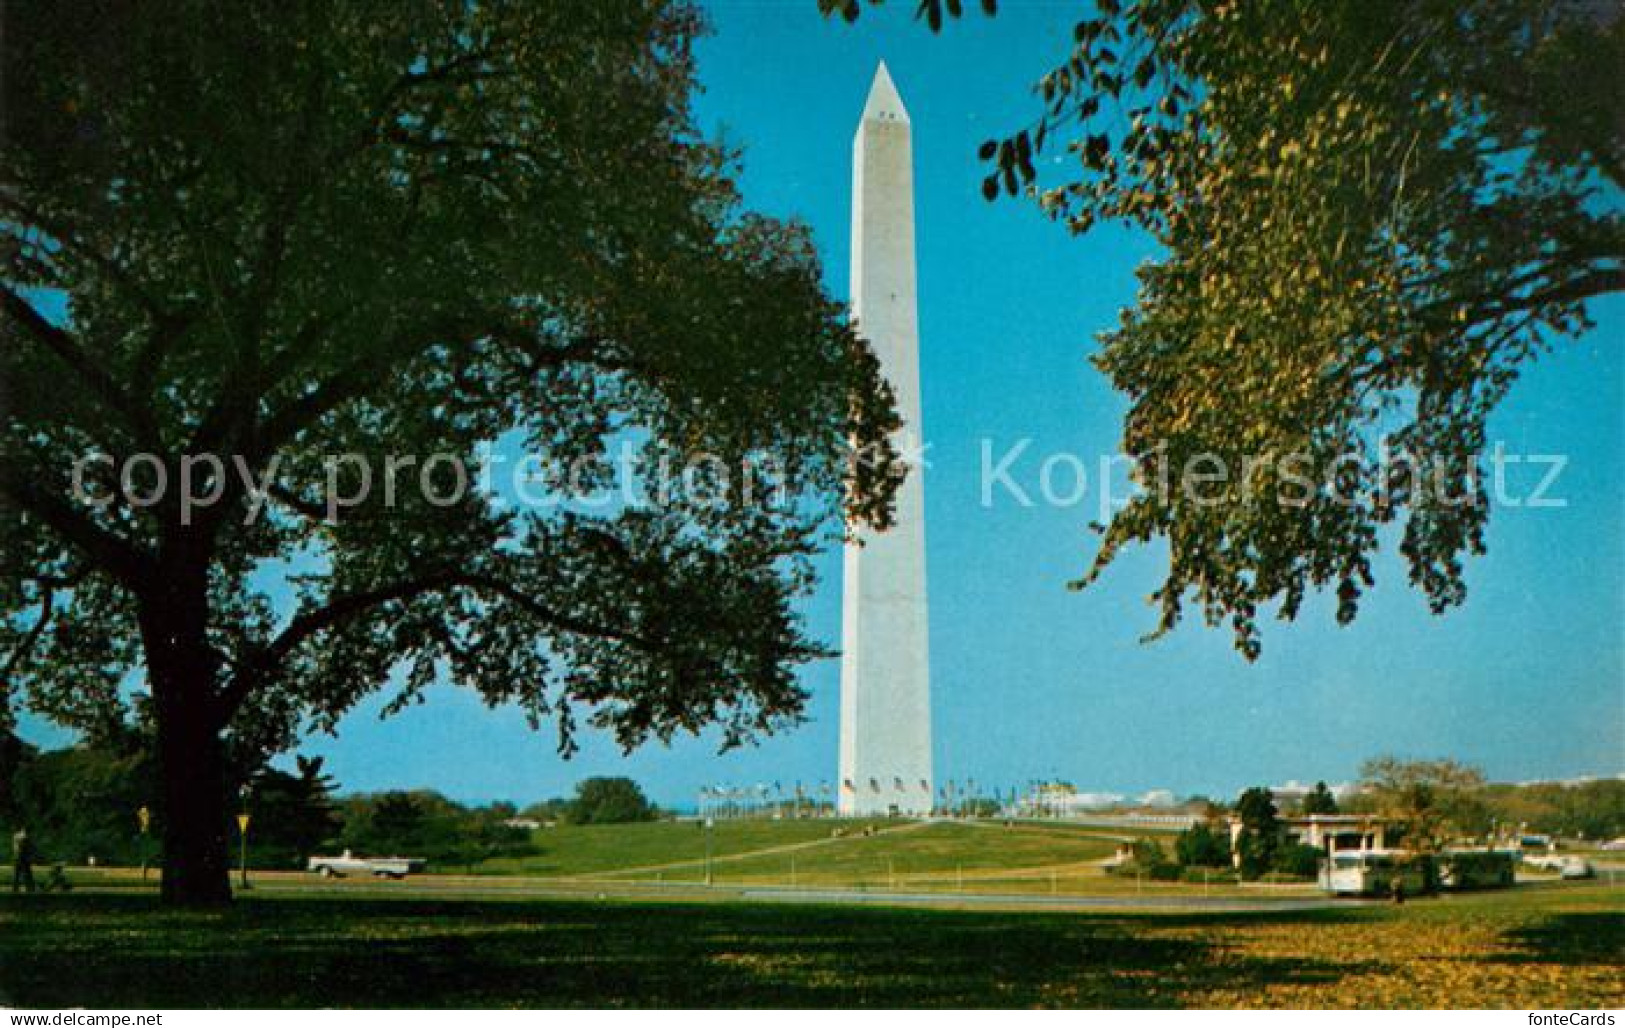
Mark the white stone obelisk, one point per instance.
(885, 668)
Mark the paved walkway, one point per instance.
(1017, 901)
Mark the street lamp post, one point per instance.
(709, 824)
(143, 817)
(242, 837)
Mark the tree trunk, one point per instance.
(191, 754)
(191, 764)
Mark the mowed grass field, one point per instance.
(927, 854)
(570, 850)
(1557, 946)
(987, 856)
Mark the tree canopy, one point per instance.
(427, 826)
(1372, 216)
(1260, 838)
(1202, 845)
(253, 253)
(1432, 800)
(1320, 800)
(609, 801)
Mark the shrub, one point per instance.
(1201, 846)
(1297, 860)
(1168, 871)
(1257, 853)
(1150, 861)
(1472, 870)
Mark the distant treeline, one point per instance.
(82, 804)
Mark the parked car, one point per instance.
(347, 864)
(1566, 867)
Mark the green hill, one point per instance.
(848, 853)
(927, 854)
(597, 849)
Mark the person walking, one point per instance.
(22, 862)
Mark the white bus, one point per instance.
(1371, 873)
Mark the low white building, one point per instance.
(1329, 832)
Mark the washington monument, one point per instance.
(885, 670)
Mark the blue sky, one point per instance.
(1031, 680)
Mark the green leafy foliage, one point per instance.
(79, 803)
(1260, 837)
(933, 12)
(1296, 860)
(293, 815)
(425, 825)
(1372, 216)
(610, 801)
(1589, 810)
(1320, 800)
(280, 234)
(1202, 845)
(1148, 860)
(1432, 801)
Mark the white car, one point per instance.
(379, 867)
(1566, 867)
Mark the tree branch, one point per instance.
(67, 349)
(362, 375)
(109, 267)
(118, 557)
(342, 609)
(25, 646)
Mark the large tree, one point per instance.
(607, 801)
(1260, 838)
(1371, 216)
(1320, 800)
(251, 251)
(1432, 801)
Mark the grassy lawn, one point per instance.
(930, 856)
(1541, 947)
(936, 854)
(597, 849)
(940, 857)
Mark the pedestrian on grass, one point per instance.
(22, 862)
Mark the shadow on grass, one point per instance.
(123, 951)
(1571, 939)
